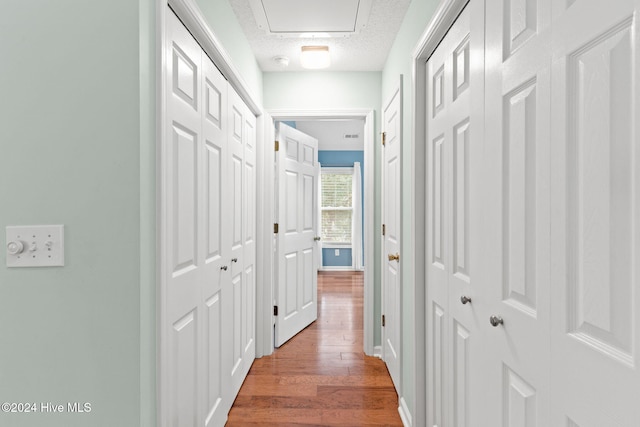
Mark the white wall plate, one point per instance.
(35, 246)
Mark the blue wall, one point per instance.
(329, 258)
(336, 159)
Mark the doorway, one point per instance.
(368, 233)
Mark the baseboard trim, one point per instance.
(377, 351)
(405, 414)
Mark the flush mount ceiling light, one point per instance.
(315, 57)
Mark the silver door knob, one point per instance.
(495, 321)
(465, 299)
(224, 267)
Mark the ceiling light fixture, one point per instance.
(315, 57)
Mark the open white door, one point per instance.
(296, 276)
(391, 230)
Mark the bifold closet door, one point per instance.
(208, 202)
(595, 205)
(454, 272)
(241, 220)
(516, 211)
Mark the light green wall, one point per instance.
(70, 154)
(225, 26)
(324, 90)
(399, 62)
(78, 147)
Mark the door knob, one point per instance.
(495, 321)
(224, 267)
(394, 257)
(317, 238)
(234, 259)
(465, 299)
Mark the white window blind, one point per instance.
(337, 207)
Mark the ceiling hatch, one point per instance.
(295, 18)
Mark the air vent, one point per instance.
(351, 136)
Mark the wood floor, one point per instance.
(321, 376)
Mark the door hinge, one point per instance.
(275, 228)
(384, 229)
(383, 322)
(275, 310)
(277, 146)
(384, 138)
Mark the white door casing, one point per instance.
(391, 220)
(207, 326)
(370, 234)
(296, 277)
(595, 216)
(455, 280)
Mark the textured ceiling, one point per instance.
(364, 51)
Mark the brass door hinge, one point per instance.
(384, 138)
(277, 146)
(384, 229)
(383, 321)
(275, 228)
(275, 310)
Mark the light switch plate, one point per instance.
(35, 246)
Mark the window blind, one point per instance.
(337, 209)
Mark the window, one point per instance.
(336, 205)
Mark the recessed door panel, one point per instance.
(520, 198)
(184, 384)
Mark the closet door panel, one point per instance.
(216, 399)
(595, 210)
(182, 168)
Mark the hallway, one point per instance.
(321, 376)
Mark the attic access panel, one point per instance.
(297, 17)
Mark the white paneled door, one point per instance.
(456, 282)
(297, 292)
(207, 330)
(595, 208)
(391, 220)
(533, 250)
(516, 191)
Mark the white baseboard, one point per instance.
(405, 414)
(377, 351)
(337, 268)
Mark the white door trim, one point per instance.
(191, 16)
(369, 234)
(435, 31)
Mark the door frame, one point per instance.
(191, 16)
(368, 116)
(443, 18)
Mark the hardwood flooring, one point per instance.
(321, 376)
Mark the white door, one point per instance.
(391, 220)
(241, 220)
(516, 222)
(595, 206)
(455, 280)
(297, 287)
(196, 281)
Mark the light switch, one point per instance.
(35, 246)
(337, 252)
